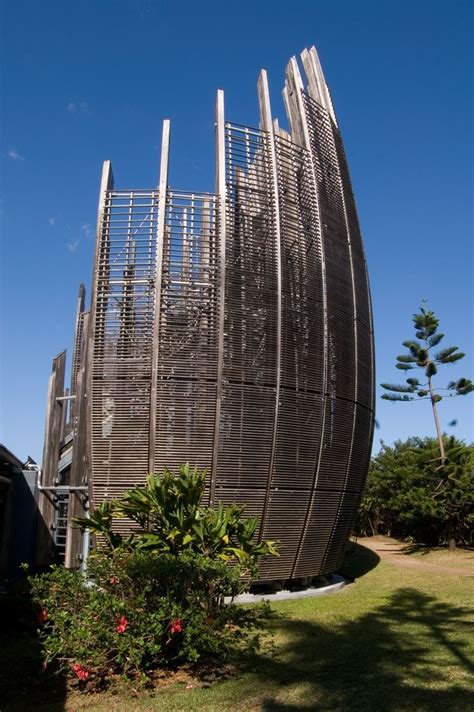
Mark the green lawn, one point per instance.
(398, 639)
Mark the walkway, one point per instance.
(397, 553)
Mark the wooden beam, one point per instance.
(317, 87)
(54, 420)
(221, 237)
(293, 96)
(160, 240)
(76, 351)
(102, 239)
(79, 466)
(266, 125)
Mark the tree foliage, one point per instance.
(408, 496)
(420, 355)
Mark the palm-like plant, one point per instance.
(171, 519)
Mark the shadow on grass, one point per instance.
(24, 685)
(359, 560)
(393, 658)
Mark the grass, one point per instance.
(398, 640)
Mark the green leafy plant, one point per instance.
(171, 519)
(420, 355)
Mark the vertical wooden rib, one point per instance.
(76, 353)
(221, 239)
(102, 238)
(54, 419)
(79, 466)
(160, 237)
(318, 90)
(300, 133)
(266, 125)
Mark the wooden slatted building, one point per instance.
(232, 330)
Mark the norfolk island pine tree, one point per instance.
(420, 356)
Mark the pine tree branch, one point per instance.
(398, 388)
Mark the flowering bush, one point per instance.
(137, 611)
(156, 598)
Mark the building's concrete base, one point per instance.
(336, 583)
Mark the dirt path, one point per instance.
(396, 553)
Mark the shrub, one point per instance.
(156, 598)
(171, 519)
(408, 495)
(138, 611)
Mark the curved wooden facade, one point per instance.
(233, 330)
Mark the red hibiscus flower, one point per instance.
(42, 616)
(114, 580)
(122, 625)
(176, 626)
(80, 671)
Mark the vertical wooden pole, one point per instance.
(79, 465)
(76, 353)
(266, 125)
(293, 98)
(318, 90)
(66, 408)
(54, 419)
(102, 240)
(160, 239)
(221, 238)
(317, 87)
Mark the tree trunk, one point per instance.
(438, 427)
(452, 544)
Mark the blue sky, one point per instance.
(87, 81)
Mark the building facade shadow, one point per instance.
(359, 560)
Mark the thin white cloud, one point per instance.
(86, 229)
(52, 221)
(14, 155)
(81, 107)
(73, 245)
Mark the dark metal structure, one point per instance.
(18, 513)
(233, 330)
